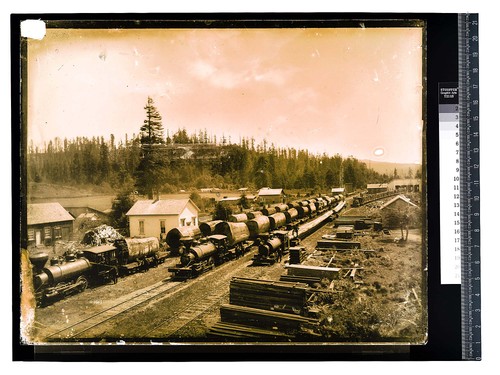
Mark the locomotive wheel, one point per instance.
(211, 262)
(83, 283)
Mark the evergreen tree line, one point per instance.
(96, 161)
(143, 163)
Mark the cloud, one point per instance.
(228, 77)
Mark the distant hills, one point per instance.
(388, 167)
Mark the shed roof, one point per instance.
(230, 199)
(402, 197)
(268, 192)
(160, 207)
(338, 190)
(44, 213)
(406, 181)
(376, 186)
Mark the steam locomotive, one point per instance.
(96, 265)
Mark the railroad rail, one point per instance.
(129, 302)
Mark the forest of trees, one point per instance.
(140, 162)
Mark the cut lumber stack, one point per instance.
(330, 273)
(238, 332)
(281, 296)
(297, 255)
(337, 244)
(301, 279)
(264, 318)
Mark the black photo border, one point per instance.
(444, 301)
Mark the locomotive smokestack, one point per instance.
(38, 260)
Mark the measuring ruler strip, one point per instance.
(469, 185)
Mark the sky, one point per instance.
(352, 91)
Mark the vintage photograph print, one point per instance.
(224, 183)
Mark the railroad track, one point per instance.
(167, 327)
(196, 308)
(123, 305)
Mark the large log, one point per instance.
(207, 228)
(238, 218)
(258, 225)
(291, 214)
(281, 207)
(235, 232)
(175, 235)
(268, 211)
(277, 220)
(253, 214)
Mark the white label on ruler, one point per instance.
(449, 185)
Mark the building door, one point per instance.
(65, 233)
(38, 237)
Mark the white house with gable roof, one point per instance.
(154, 218)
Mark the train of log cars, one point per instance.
(199, 248)
(273, 229)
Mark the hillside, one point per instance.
(388, 167)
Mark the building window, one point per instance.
(31, 234)
(141, 227)
(162, 227)
(183, 222)
(47, 233)
(194, 220)
(57, 233)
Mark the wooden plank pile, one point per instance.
(329, 273)
(301, 279)
(239, 332)
(337, 244)
(281, 296)
(297, 254)
(263, 310)
(264, 318)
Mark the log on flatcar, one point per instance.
(237, 218)
(176, 235)
(277, 220)
(253, 214)
(207, 228)
(260, 224)
(235, 232)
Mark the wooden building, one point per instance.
(47, 223)
(268, 196)
(154, 218)
(376, 188)
(406, 184)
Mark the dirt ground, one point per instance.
(383, 301)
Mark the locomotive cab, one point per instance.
(104, 261)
